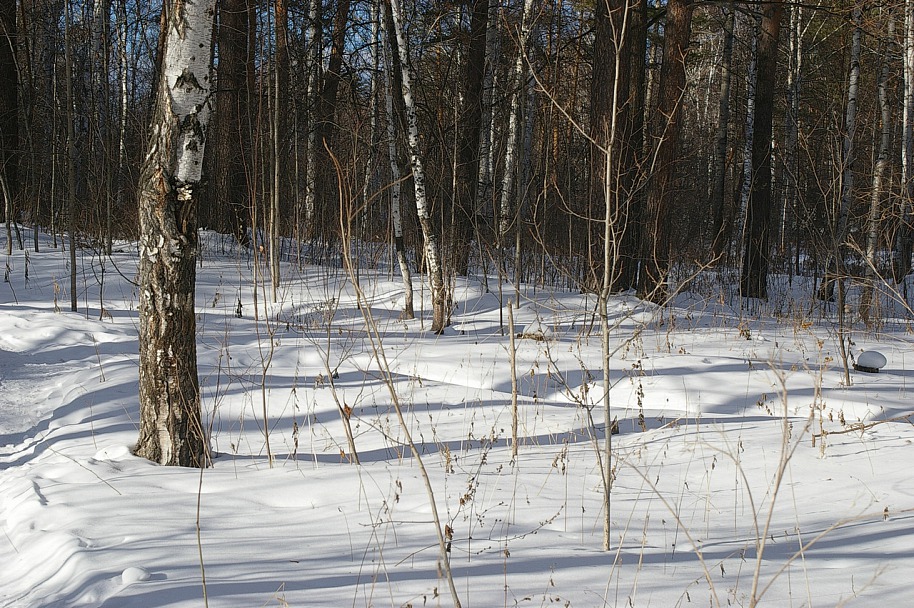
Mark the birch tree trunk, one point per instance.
(721, 138)
(432, 257)
(901, 252)
(313, 69)
(71, 152)
(171, 428)
(506, 219)
(280, 140)
(836, 269)
(395, 176)
(754, 278)
(867, 297)
(745, 190)
(794, 91)
(486, 158)
(123, 91)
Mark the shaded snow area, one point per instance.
(745, 467)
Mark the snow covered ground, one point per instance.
(725, 488)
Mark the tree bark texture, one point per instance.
(440, 316)
(470, 129)
(836, 269)
(325, 127)
(229, 209)
(616, 119)
(395, 209)
(9, 106)
(507, 211)
(754, 278)
(721, 139)
(867, 296)
(171, 429)
(666, 133)
(901, 250)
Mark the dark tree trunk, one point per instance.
(754, 279)
(619, 28)
(632, 153)
(325, 124)
(607, 90)
(719, 207)
(470, 128)
(666, 135)
(9, 106)
(171, 428)
(229, 211)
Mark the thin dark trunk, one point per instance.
(325, 124)
(867, 297)
(9, 105)
(229, 210)
(721, 140)
(754, 279)
(666, 132)
(469, 131)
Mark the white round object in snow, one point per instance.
(870, 361)
(133, 575)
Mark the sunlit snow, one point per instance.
(710, 400)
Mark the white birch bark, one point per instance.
(721, 139)
(314, 62)
(123, 67)
(751, 84)
(519, 84)
(171, 430)
(901, 253)
(850, 129)
(882, 160)
(395, 211)
(794, 91)
(487, 135)
(432, 259)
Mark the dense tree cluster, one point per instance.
(604, 144)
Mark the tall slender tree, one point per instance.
(230, 133)
(901, 250)
(391, 84)
(469, 132)
(868, 295)
(440, 313)
(9, 106)
(839, 248)
(325, 125)
(666, 130)
(754, 277)
(171, 427)
(721, 137)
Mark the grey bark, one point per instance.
(721, 138)
(836, 269)
(171, 427)
(432, 256)
(901, 251)
(754, 277)
(867, 298)
(395, 174)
